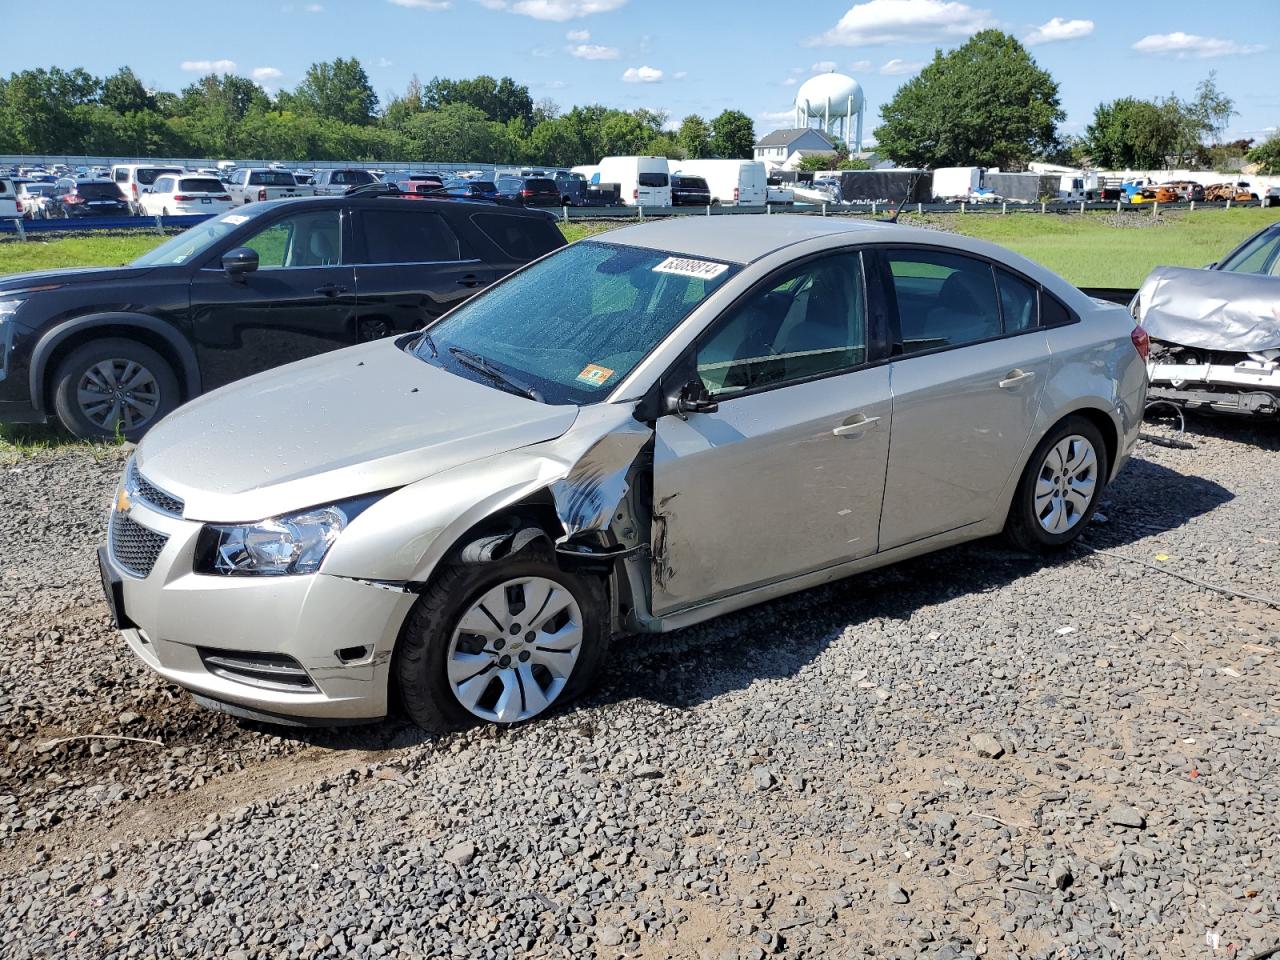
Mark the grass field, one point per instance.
(1093, 250)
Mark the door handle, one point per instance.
(330, 289)
(1015, 377)
(470, 280)
(855, 426)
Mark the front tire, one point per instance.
(1059, 488)
(501, 642)
(113, 387)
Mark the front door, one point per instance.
(298, 303)
(966, 389)
(787, 476)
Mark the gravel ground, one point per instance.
(972, 754)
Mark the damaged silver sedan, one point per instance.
(1215, 333)
(631, 435)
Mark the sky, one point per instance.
(680, 56)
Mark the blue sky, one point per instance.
(682, 56)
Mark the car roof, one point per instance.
(415, 202)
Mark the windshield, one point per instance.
(576, 323)
(1258, 255)
(193, 242)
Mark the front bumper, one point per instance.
(172, 613)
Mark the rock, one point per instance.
(1129, 817)
(893, 893)
(128, 717)
(460, 855)
(609, 936)
(646, 771)
(985, 745)
(762, 778)
(1060, 875)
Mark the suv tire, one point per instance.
(434, 641)
(136, 384)
(1060, 487)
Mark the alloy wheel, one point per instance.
(514, 649)
(1066, 484)
(118, 393)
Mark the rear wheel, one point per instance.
(1060, 487)
(113, 387)
(501, 642)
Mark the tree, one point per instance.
(339, 91)
(1135, 134)
(1211, 110)
(694, 137)
(1267, 155)
(818, 161)
(984, 103)
(123, 92)
(399, 109)
(499, 100)
(733, 136)
(456, 133)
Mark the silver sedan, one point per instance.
(634, 434)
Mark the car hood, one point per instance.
(43, 278)
(342, 424)
(1211, 309)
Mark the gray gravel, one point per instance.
(972, 754)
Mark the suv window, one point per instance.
(201, 185)
(944, 299)
(521, 238)
(809, 321)
(311, 239)
(162, 185)
(652, 180)
(121, 175)
(407, 236)
(147, 175)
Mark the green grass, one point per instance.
(93, 250)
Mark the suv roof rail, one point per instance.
(378, 189)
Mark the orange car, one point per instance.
(1164, 193)
(1239, 192)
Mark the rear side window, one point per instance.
(521, 238)
(147, 175)
(121, 176)
(1052, 311)
(406, 236)
(652, 179)
(163, 185)
(944, 299)
(201, 185)
(1018, 302)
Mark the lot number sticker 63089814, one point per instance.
(688, 267)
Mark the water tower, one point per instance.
(837, 102)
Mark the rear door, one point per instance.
(412, 266)
(301, 300)
(972, 366)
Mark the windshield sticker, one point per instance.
(687, 267)
(594, 375)
(236, 218)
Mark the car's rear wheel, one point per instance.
(1060, 487)
(501, 642)
(113, 388)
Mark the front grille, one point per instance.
(267, 671)
(151, 494)
(134, 546)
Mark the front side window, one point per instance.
(944, 299)
(574, 324)
(407, 236)
(810, 321)
(312, 239)
(162, 185)
(147, 175)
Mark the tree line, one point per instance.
(334, 114)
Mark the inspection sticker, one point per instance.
(594, 375)
(687, 267)
(236, 218)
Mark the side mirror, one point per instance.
(693, 398)
(239, 261)
(146, 189)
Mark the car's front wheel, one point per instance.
(113, 388)
(1060, 487)
(501, 641)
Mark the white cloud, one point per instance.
(898, 68)
(209, 66)
(553, 85)
(1058, 29)
(383, 63)
(679, 74)
(642, 75)
(314, 8)
(1186, 45)
(789, 82)
(266, 73)
(594, 51)
(578, 36)
(904, 21)
(797, 70)
(861, 66)
(823, 66)
(422, 4)
(555, 10)
(773, 119)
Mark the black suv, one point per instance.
(111, 351)
(689, 191)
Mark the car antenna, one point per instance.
(911, 188)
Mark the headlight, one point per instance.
(295, 543)
(8, 308)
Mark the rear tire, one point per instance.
(114, 381)
(1060, 487)
(434, 642)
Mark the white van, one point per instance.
(1078, 186)
(643, 181)
(743, 183)
(8, 200)
(958, 183)
(134, 178)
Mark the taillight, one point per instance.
(73, 198)
(262, 194)
(526, 193)
(223, 196)
(182, 198)
(735, 194)
(635, 194)
(134, 188)
(1141, 342)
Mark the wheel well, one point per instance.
(1106, 427)
(124, 331)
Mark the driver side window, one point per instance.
(312, 239)
(807, 322)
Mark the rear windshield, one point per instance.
(272, 178)
(690, 183)
(521, 238)
(653, 179)
(539, 183)
(201, 185)
(357, 178)
(147, 175)
(485, 186)
(99, 191)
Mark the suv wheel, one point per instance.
(1060, 487)
(114, 387)
(501, 641)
